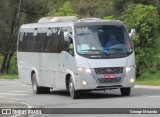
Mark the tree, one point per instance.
(12, 31)
(11, 20)
(32, 10)
(93, 8)
(144, 18)
(65, 10)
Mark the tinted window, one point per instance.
(52, 40)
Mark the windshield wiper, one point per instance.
(127, 52)
(93, 50)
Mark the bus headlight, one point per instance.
(128, 69)
(84, 82)
(132, 80)
(87, 70)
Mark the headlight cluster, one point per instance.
(87, 70)
(128, 68)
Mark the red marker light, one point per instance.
(129, 46)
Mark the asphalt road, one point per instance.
(13, 93)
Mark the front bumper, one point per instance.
(91, 81)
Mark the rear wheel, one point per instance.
(36, 88)
(74, 94)
(125, 91)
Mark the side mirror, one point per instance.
(66, 36)
(132, 34)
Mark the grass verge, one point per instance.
(9, 76)
(149, 78)
(12, 70)
(148, 82)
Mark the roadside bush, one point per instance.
(13, 70)
(65, 10)
(13, 66)
(144, 18)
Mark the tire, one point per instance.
(36, 88)
(74, 94)
(125, 91)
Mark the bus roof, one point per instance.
(70, 21)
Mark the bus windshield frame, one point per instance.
(103, 41)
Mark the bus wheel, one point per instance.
(125, 91)
(36, 88)
(74, 94)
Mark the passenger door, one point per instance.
(67, 64)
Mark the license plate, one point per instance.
(109, 76)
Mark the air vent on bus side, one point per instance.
(58, 19)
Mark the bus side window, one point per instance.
(42, 41)
(61, 46)
(21, 37)
(24, 41)
(66, 44)
(29, 42)
(49, 43)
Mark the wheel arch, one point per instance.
(67, 81)
(35, 71)
(67, 77)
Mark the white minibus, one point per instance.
(77, 55)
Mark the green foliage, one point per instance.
(13, 65)
(6, 15)
(9, 76)
(149, 77)
(32, 10)
(109, 17)
(93, 8)
(145, 20)
(120, 6)
(65, 10)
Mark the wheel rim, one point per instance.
(71, 90)
(34, 84)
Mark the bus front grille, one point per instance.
(111, 80)
(109, 70)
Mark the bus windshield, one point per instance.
(103, 41)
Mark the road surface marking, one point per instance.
(147, 87)
(12, 94)
(155, 96)
(19, 91)
(15, 86)
(17, 99)
(28, 105)
(2, 96)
